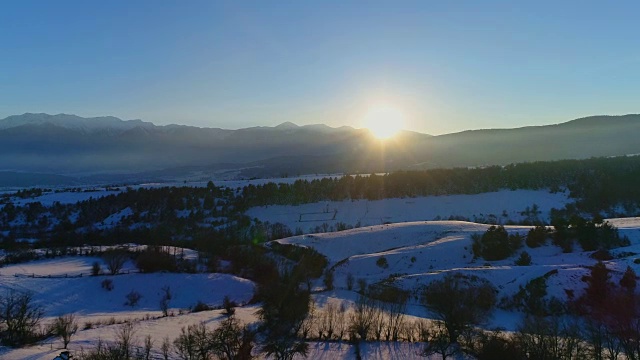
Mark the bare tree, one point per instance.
(438, 342)
(551, 338)
(165, 348)
(309, 321)
(361, 318)
(164, 301)
(125, 337)
(194, 343)
(395, 319)
(459, 301)
(65, 326)
(230, 341)
(115, 260)
(148, 345)
(328, 321)
(378, 323)
(20, 317)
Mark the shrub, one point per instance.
(328, 279)
(65, 326)
(154, 260)
(362, 285)
(601, 255)
(382, 262)
(115, 259)
(229, 306)
(524, 259)
(164, 301)
(628, 280)
(133, 298)
(496, 244)
(350, 281)
(536, 237)
(95, 268)
(107, 284)
(200, 306)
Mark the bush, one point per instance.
(496, 244)
(536, 237)
(200, 306)
(382, 262)
(115, 259)
(350, 281)
(532, 298)
(524, 259)
(133, 298)
(65, 326)
(229, 306)
(154, 260)
(107, 284)
(601, 255)
(95, 268)
(328, 279)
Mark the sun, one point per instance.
(384, 121)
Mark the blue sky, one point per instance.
(447, 65)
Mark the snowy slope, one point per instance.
(417, 253)
(436, 247)
(84, 295)
(375, 212)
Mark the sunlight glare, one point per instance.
(384, 121)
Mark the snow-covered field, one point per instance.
(85, 297)
(83, 294)
(501, 206)
(66, 195)
(416, 253)
(416, 249)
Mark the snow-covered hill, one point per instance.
(415, 253)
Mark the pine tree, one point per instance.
(628, 280)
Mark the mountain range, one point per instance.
(69, 148)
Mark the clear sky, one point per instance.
(446, 65)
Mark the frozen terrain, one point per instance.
(496, 207)
(416, 252)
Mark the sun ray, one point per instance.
(384, 121)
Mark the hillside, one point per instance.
(416, 253)
(109, 148)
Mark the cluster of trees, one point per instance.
(166, 214)
(21, 320)
(590, 234)
(597, 184)
(497, 244)
(600, 186)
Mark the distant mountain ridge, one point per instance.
(73, 122)
(75, 146)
